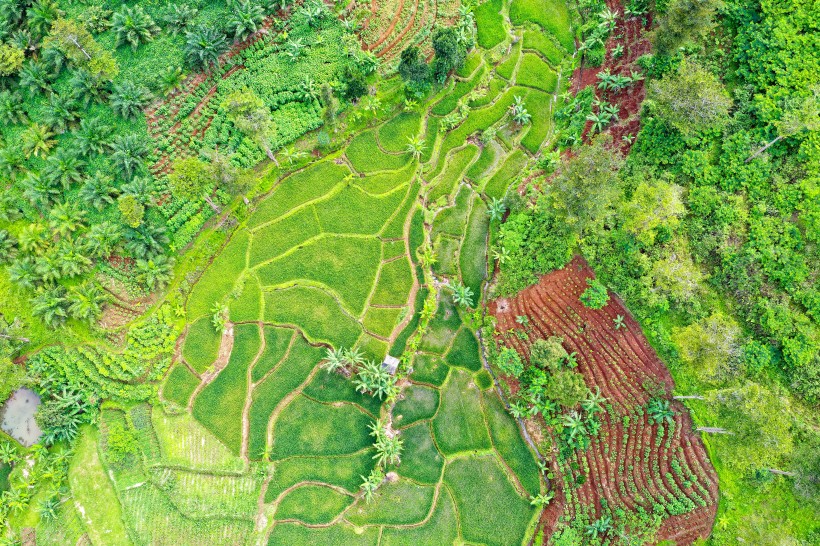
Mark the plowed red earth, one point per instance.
(625, 367)
(631, 34)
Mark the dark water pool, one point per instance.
(17, 417)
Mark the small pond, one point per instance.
(17, 416)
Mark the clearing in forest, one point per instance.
(633, 464)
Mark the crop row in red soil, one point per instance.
(632, 462)
(631, 34)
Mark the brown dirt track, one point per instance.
(630, 466)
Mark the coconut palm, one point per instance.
(203, 46)
(101, 239)
(129, 98)
(39, 191)
(11, 108)
(462, 295)
(129, 154)
(98, 191)
(86, 88)
(35, 77)
(180, 17)
(8, 246)
(65, 219)
(156, 272)
(33, 238)
(11, 161)
(133, 26)
(40, 16)
(171, 79)
(86, 301)
(37, 140)
(496, 209)
(63, 167)
(51, 305)
(659, 411)
(245, 19)
(146, 241)
(92, 137)
(415, 146)
(23, 273)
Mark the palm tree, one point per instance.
(11, 160)
(146, 242)
(37, 140)
(180, 17)
(33, 238)
(48, 508)
(39, 191)
(659, 411)
(593, 402)
(496, 209)
(388, 450)
(599, 527)
(353, 357)
(40, 16)
(101, 238)
(519, 112)
(86, 301)
(93, 136)
(129, 154)
(128, 99)
(415, 146)
(334, 360)
(34, 77)
(133, 26)
(542, 499)
(70, 261)
(294, 47)
(65, 219)
(245, 19)
(86, 87)
(63, 167)
(204, 45)
(98, 191)
(11, 108)
(51, 305)
(573, 423)
(462, 295)
(156, 272)
(48, 268)
(23, 273)
(8, 246)
(171, 79)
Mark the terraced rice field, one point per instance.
(635, 463)
(327, 258)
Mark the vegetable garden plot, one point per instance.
(659, 467)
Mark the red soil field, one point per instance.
(628, 465)
(631, 34)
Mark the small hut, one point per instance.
(390, 364)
